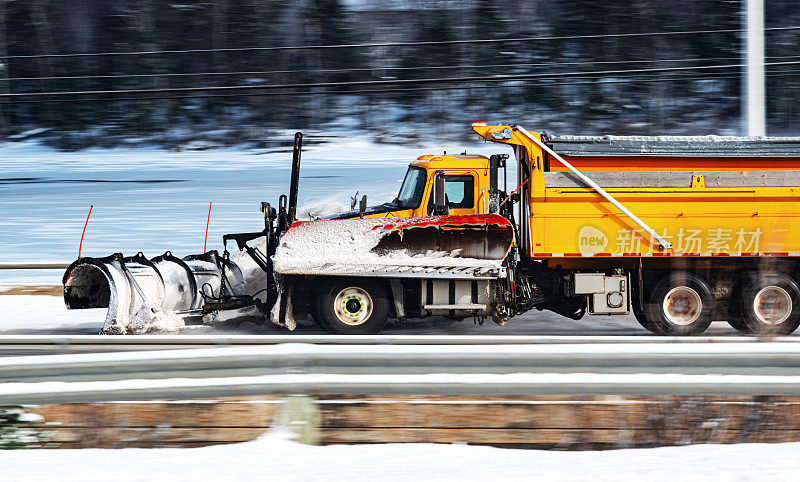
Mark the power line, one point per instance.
(490, 78)
(373, 69)
(717, 76)
(393, 44)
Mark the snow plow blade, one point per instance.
(431, 246)
(158, 294)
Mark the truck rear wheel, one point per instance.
(736, 322)
(680, 304)
(353, 307)
(735, 318)
(770, 305)
(640, 316)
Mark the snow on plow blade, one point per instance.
(465, 244)
(149, 294)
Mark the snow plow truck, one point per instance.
(680, 231)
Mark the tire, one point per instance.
(681, 304)
(640, 316)
(638, 311)
(735, 318)
(770, 305)
(352, 307)
(738, 323)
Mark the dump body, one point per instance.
(727, 211)
(675, 153)
(708, 214)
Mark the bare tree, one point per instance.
(4, 67)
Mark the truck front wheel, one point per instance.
(353, 307)
(680, 304)
(770, 305)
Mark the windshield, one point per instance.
(412, 189)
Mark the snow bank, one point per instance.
(273, 456)
(20, 313)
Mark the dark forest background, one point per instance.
(580, 88)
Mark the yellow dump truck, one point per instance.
(680, 231)
(686, 230)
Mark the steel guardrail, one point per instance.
(224, 340)
(34, 265)
(581, 369)
(452, 384)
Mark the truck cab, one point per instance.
(467, 186)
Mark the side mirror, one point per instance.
(362, 206)
(439, 197)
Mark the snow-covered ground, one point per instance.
(39, 314)
(273, 457)
(29, 314)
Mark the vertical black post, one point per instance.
(298, 145)
(495, 161)
(494, 164)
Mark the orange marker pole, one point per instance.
(80, 246)
(208, 221)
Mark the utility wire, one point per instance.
(489, 78)
(373, 69)
(542, 83)
(396, 44)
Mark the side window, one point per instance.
(460, 191)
